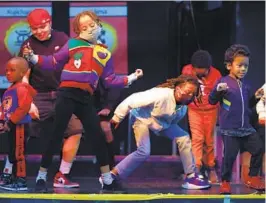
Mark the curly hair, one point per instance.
(234, 51)
(201, 59)
(182, 80)
(76, 25)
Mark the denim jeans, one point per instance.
(142, 136)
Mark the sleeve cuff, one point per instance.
(131, 78)
(116, 119)
(34, 59)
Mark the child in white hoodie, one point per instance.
(160, 109)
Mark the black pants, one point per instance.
(76, 101)
(232, 145)
(16, 153)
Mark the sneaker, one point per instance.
(40, 186)
(225, 187)
(115, 177)
(114, 187)
(18, 184)
(64, 181)
(5, 178)
(194, 182)
(255, 182)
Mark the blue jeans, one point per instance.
(142, 136)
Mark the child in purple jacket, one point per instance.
(234, 97)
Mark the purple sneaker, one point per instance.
(194, 182)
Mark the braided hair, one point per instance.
(182, 80)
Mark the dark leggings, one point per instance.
(78, 102)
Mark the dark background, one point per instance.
(162, 36)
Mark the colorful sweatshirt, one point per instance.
(84, 63)
(16, 103)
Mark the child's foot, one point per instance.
(5, 178)
(114, 187)
(40, 186)
(194, 182)
(225, 188)
(19, 184)
(64, 181)
(255, 182)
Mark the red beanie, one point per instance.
(38, 17)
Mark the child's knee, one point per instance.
(144, 152)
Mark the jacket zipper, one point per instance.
(239, 84)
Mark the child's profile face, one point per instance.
(13, 72)
(239, 67)
(185, 94)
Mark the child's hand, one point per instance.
(27, 51)
(114, 123)
(222, 87)
(139, 73)
(104, 112)
(259, 93)
(34, 112)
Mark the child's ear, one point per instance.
(228, 66)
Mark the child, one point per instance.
(234, 96)
(85, 62)
(16, 103)
(261, 107)
(160, 109)
(203, 116)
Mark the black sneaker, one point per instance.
(5, 178)
(18, 184)
(114, 187)
(40, 186)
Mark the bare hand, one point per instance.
(222, 87)
(114, 123)
(259, 93)
(34, 112)
(104, 112)
(139, 73)
(27, 51)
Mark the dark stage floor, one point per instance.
(146, 190)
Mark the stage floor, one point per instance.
(146, 190)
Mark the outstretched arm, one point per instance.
(55, 61)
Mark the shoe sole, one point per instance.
(41, 190)
(58, 185)
(225, 193)
(189, 186)
(13, 189)
(112, 192)
(248, 186)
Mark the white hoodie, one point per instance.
(260, 107)
(155, 107)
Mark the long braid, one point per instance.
(170, 83)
